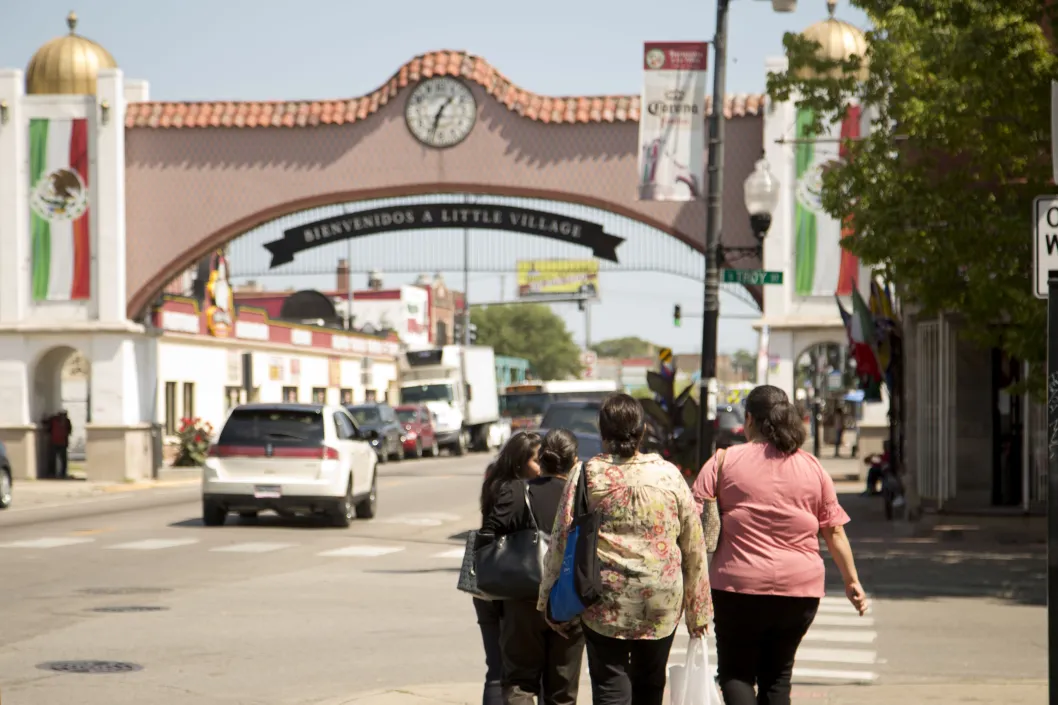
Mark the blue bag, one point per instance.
(579, 583)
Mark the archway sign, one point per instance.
(443, 215)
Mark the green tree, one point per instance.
(532, 331)
(745, 365)
(623, 348)
(940, 192)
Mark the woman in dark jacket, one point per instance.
(517, 460)
(537, 660)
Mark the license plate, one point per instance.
(267, 492)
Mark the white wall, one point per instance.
(408, 315)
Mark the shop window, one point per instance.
(319, 395)
(189, 400)
(233, 397)
(346, 397)
(290, 395)
(170, 408)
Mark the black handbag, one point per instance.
(512, 565)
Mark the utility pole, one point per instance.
(714, 218)
(466, 280)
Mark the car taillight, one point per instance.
(236, 452)
(330, 454)
(740, 430)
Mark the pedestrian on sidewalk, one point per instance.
(652, 561)
(61, 428)
(517, 461)
(767, 574)
(537, 660)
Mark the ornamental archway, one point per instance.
(200, 174)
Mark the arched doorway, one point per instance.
(824, 373)
(61, 392)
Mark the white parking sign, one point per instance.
(1045, 254)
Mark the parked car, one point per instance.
(730, 426)
(290, 458)
(5, 478)
(418, 436)
(575, 416)
(381, 427)
(588, 446)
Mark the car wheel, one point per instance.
(345, 511)
(398, 450)
(248, 515)
(213, 514)
(383, 454)
(417, 453)
(460, 447)
(368, 506)
(5, 488)
(433, 450)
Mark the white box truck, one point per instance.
(457, 383)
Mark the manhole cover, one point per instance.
(90, 666)
(125, 591)
(130, 608)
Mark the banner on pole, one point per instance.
(672, 121)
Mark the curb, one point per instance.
(155, 485)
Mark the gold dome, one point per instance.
(839, 41)
(67, 65)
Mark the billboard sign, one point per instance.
(550, 279)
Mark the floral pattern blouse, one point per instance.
(651, 548)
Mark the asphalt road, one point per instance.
(275, 612)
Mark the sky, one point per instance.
(316, 49)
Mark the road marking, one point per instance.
(420, 519)
(841, 609)
(154, 544)
(90, 532)
(258, 547)
(827, 674)
(362, 551)
(454, 553)
(849, 636)
(833, 620)
(56, 542)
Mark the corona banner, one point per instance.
(548, 279)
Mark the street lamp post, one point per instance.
(714, 219)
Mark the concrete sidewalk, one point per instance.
(41, 493)
(1007, 693)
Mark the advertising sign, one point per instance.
(547, 279)
(672, 121)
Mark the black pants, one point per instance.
(537, 660)
(627, 671)
(62, 460)
(490, 617)
(756, 641)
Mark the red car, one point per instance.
(418, 435)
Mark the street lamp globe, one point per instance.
(761, 192)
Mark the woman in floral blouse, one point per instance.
(652, 557)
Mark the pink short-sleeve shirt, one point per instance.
(772, 508)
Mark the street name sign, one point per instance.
(1045, 252)
(752, 277)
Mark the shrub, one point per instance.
(194, 439)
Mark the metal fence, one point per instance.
(1038, 442)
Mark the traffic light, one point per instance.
(676, 315)
(473, 333)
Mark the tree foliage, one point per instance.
(532, 331)
(940, 192)
(744, 363)
(624, 348)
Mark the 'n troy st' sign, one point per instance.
(424, 216)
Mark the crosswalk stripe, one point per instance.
(833, 620)
(841, 609)
(454, 553)
(55, 542)
(851, 656)
(153, 544)
(849, 636)
(835, 675)
(252, 547)
(361, 551)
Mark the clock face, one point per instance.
(441, 112)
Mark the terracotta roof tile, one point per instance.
(548, 109)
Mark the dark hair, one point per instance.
(776, 418)
(558, 452)
(509, 465)
(621, 424)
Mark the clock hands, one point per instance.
(437, 117)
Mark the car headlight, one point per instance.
(411, 436)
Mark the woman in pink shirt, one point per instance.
(767, 574)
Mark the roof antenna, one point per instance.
(71, 21)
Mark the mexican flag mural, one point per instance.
(58, 183)
(821, 267)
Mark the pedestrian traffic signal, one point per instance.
(473, 333)
(676, 315)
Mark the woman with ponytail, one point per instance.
(767, 575)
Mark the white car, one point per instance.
(290, 458)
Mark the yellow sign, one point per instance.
(665, 355)
(558, 278)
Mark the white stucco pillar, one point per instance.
(781, 345)
(14, 199)
(109, 245)
(123, 382)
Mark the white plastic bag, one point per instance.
(699, 687)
